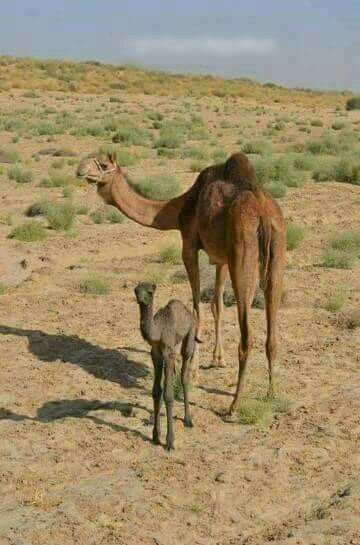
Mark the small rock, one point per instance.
(221, 477)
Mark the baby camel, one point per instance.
(171, 325)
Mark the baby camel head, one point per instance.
(100, 170)
(145, 292)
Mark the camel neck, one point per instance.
(147, 321)
(163, 215)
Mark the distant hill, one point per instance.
(95, 77)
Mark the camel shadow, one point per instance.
(103, 363)
(79, 408)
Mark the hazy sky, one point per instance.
(312, 43)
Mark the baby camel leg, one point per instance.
(156, 393)
(169, 363)
(187, 349)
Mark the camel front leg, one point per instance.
(191, 262)
(217, 309)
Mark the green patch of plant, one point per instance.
(60, 216)
(294, 235)
(19, 175)
(342, 250)
(353, 103)
(128, 133)
(336, 300)
(277, 189)
(171, 254)
(162, 186)
(3, 288)
(259, 147)
(56, 180)
(95, 285)
(30, 231)
(258, 410)
(115, 216)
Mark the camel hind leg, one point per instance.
(243, 268)
(272, 291)
(217, 309)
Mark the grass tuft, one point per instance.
(294, 235)
(95, 285)
(30, 231)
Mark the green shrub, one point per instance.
(98, 216)
(353, 103)
(115, 216)
(277, 189)
(171, 136)
(324, 170)
(60, 216)
(316, 123)
(130, 134)
(348, 170)
(335, 301)
(342, 250)
(258, 147)
(29, 232)
(56, 180)
(257, 410)
(171, 253)
(197, 166)
(338, 125)
(219, 155)
(95, 285)
(20, 176)
(303, 162)
(294, 235)
(177, 385)
(193, 153)
(82, 210)
(115, 99)
(161, 187)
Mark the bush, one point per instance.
(303, 162)
(277, 189)
(338, 125)
(171, 253)
(29, 232)
(193, 153)
(257, 147)
(98, 216)
(294, 235)
(342, 250)
(171, 136)
(161, 187)
(115, 216)
(219, 155)
(95, 285)
(316, 123)
(9, 156)
(353, 103)
(348, 170)
(60, 215)
(56, 180)
(130, 134)
(20, 176)
(324, 170)
(197, 166)
(255, 410)
(335, 301)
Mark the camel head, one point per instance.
(99, 170)
(145, 292)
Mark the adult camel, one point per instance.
(230, 216)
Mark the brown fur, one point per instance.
(241, 228)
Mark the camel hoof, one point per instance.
(156, 440)
(230, 417)
(170, 446)
(188, 423)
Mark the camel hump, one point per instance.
(238, 168)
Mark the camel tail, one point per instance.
(264, 237)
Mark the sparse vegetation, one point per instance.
(30, 231)
(160, 186)
(294, 235)
(19, 175)
(342, 250)
(60, 216)
(171, 254)
(336, 300)
(259, 410)
(95, 285)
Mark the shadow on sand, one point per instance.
(79, 408)
(103, 363)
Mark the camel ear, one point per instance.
(112, 158)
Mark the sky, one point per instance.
(305, 43)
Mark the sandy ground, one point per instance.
(76, 461)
